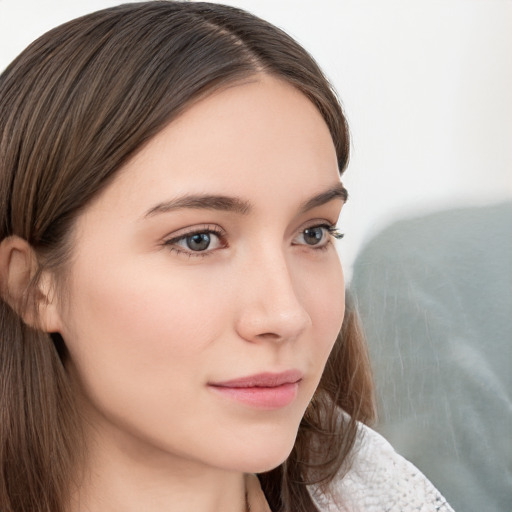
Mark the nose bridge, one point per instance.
(272, 305)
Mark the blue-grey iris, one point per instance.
(198, 242)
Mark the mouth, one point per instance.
(263, 390)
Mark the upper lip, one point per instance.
(263, 380)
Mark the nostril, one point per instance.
(270, 336)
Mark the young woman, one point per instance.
(172, 301)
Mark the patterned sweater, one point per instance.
(379, 480)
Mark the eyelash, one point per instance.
(330, 230)
(171, 244)
(206, 229)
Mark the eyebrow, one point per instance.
(336, 192)
(202, 202)
(237, 205)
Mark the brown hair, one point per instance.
(75, 106)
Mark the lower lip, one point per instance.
(261, 397)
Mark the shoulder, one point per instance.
(378, 479)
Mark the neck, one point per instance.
(119, 478)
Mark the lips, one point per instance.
(263, 390)
(264, 380)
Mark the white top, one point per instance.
(379, 480)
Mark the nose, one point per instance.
(269, 307)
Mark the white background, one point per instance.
(426, 85)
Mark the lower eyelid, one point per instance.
(173, 244)
(190, 254)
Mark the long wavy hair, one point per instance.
(75, 106)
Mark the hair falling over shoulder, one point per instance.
(75, 106)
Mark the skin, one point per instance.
(149, 323)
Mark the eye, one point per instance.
(198, 242)
(317, 236)
(314, 235)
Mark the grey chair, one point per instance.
(435, 297)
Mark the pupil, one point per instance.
(198, 242)
(312, 236)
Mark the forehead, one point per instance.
(259, 136)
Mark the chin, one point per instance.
(263, 466)
(263, 453)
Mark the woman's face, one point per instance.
(205, 292)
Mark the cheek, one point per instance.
(143, 325)
(327, 289)
(143, 301)
(145, 338)
(324, 292)
(141, 347)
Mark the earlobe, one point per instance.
(36, 305)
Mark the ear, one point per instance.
(37, 306)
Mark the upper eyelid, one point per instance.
(222, 233)
(318, 222)
(212, 228)
(327, 225)
(216, 229)
(205, 228)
